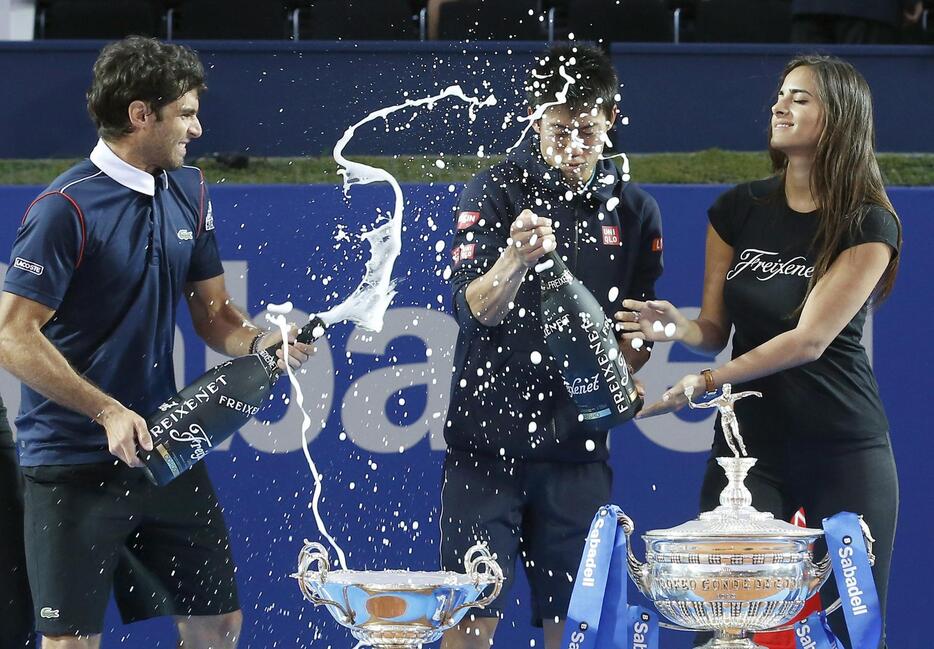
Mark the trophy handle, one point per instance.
(475, 558)
(637, 569)
(822, 568)
(315, 553)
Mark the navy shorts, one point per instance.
(96, 528)
(537, 511)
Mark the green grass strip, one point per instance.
(712, 166)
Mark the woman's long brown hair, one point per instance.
(845, 177)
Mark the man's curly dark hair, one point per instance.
(144, 69)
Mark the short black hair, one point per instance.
(144, 69)
(595, 80)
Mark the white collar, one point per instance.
(123, 172)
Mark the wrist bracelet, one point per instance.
(709, 386)
(254, 344)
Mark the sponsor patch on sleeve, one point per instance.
(611, 235)
(657, 244)
(28, 266)
(209, 219)
(462, 252)
(467, 219)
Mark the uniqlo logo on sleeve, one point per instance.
(462, 252)
(657, 244)
(467, 219)
(611, 235)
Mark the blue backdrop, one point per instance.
(288, 99)
(378, 401)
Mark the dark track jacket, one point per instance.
(507, 396)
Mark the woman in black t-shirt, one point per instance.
(794, 263)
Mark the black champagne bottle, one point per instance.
(193, 422)
(580, 337)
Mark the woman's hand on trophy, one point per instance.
(675, 397)
(654, 320)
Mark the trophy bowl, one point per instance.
(733, 570)
(398, 608)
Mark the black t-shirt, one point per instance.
(834, 397)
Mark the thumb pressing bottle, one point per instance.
(204, 414)
(581, 340)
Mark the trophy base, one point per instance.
(396, 638)
(731, 641)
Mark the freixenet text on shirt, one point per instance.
(765, 265)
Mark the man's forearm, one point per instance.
(229, 331)
(490, 295)
(35, 361)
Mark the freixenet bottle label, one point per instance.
(581, 340)
(189, 425)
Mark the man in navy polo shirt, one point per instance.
(87, 322)
(521, 472)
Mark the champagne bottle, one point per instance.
(580, 337)
(204, 414)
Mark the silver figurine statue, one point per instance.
(724, 403)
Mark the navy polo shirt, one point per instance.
(110, 248)
(507, 396)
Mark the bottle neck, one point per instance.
(551, 268)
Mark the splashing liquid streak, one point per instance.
(367, 305)
(560, 98)
(280, 321)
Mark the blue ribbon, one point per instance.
(855, 584)
(813, 632)
(599, 615)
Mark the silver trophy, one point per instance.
(396, 609)
(734, 570)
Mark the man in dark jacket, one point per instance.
(852, 23)
(521, 472)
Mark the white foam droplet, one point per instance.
(285, 307)
(670, 329)
(589, 445)
(532, 426)
(535, 357)
(439, 164)
(613, 294)
(548, 263)
(611, 204)
(569, 195)
(658, 327)
(439, 246)
(636, 343)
